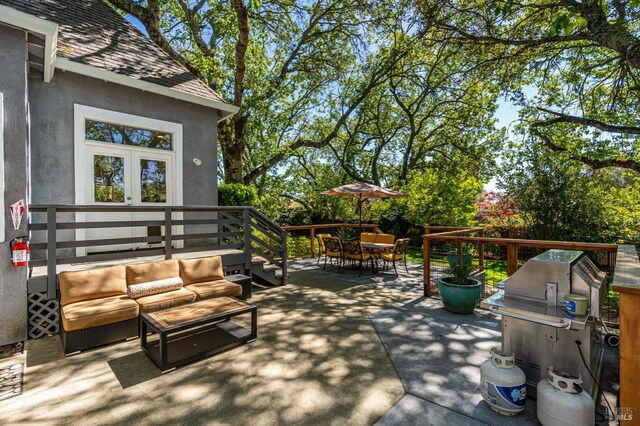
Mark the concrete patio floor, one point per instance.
(320, 358)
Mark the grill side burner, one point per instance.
(535, 325)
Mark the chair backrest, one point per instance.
(368, 237)
(351, 247)
(385, 238)
(320, 238)
(332, 244)
(401, 246)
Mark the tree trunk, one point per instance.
(231, 135)
(231, 153)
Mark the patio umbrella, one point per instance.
(362, 190)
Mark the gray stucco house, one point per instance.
(92, 112)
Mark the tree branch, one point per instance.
(625, 163)
(380, 76)
(150, 18)
(565, 118)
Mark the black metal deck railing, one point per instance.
(61, 235)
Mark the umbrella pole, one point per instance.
(360, 234)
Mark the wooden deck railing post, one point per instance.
(283, 249)
(312, 241)
(626, 281)
(52, 284)
(426, 258)
(168, 234)
(481, 251)
(512, 258)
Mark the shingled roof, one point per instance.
(92, 33)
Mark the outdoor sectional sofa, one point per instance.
(101, 306)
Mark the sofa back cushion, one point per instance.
(200, 270)
(152, 271)
(78, 286)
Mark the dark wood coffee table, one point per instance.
(191, 332)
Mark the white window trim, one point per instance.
(82, 113)
(2, 216)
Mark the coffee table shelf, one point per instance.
(191, 332)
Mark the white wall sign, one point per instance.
(17, 210)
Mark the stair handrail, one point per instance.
(272, 226)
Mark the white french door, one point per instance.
(126, 176)
(125, 160)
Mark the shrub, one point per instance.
(236, 194)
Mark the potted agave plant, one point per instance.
(459, 293)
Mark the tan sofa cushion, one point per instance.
(157, 302)
(91, 284)
(219, 288)
(201, 270)
(93, 313)
(152, 271)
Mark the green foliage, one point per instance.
(235, 194)
(461, 267)
(445, 198)
(298, 246)
(561, 199)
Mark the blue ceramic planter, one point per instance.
(461, 299)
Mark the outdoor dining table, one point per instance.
(375, 248)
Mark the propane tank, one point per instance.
(503, 383)
(562, 401)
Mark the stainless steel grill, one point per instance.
(536, 326)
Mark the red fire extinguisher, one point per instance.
(19, 251)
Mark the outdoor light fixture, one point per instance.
(197, 161)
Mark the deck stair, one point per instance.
(265, 272)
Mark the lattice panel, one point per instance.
(44, 316)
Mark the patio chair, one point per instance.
(321, 248)
(333, 250)
(353, 252)
(397, 255)
(368, 237)
(385, 238)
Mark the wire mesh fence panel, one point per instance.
(439, 264)
(526, 253)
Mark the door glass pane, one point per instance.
(108, 179)
(153, 181)
(100, 131)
